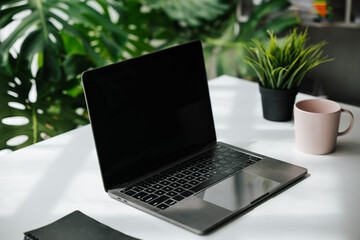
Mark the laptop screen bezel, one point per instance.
(93, 75)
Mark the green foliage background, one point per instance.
(59, 39)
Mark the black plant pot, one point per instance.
(277, 104)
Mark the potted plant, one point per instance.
(281, 67)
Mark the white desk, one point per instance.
(48, 180)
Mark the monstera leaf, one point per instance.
(43, 116)
(43, 21)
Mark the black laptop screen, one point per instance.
(149, 111)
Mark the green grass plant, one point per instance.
(284, 64)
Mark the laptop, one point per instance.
(155, 138)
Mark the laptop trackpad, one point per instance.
(238, 191)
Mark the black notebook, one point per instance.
(76, 226)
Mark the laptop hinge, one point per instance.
(183, 159)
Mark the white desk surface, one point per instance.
(44, 182)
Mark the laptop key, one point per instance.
(193, 182)
(238, 168)
(186, 172)
(140, 195)
(179, 175)
(226, 153)
(196, 174)
(187, 186)
(160, 192)
(178, 198)
(211, 167)
(149, 198)
(158, 177)
(157, 186)
(179, 190)
(255, 158)
(165, 182)
(189, 178)
(182, 181)
(172, 179)
(237, 154)
(171, 194)
(175, 185)
(167, 174)
(144, 184)
(200, 166)
(152, 181)
(204, 171)
(137, 189)
(130, 192)
(201, 179)
(159, 200)
(162, 206)
(187, 193)
(231, 171)
(167, 189)
(149, 190)
(220, 149)
(170, 202)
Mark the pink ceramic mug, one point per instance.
(317, 125)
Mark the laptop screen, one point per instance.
(148, 111)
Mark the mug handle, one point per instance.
(350, 125)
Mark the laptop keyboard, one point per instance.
(181, 181)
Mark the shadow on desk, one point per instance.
(347, 146)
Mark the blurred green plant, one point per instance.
(54, 41)
(283, 65)
(229, 49)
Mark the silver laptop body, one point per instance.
(155, 138)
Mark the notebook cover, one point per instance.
(76, 226)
